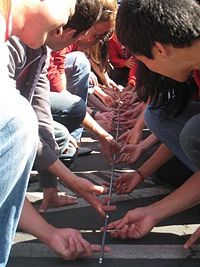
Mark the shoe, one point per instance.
(84, 151)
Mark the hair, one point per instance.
(163, 92)
(141, 23)
(98, 53)
(86, 13)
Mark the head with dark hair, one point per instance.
(160, 32)
(83, 16)
(141, 23)
(86, 13)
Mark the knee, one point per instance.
(151, 118)
(190, 136)
(78, 109)
(80, 61)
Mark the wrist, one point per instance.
(94, 112)
(45, 234)
(140, 175)
(155, 211)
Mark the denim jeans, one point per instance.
(177, 133)
(69, 108)
(68, 151)
(19, 139)
(77, 70)
(190, 139)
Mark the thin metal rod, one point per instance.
(109, 194)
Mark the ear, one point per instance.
(59, 31)
(161, 50)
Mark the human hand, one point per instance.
(105, 120)
(89, 191)
(107, 116)
(130, 62)
(108, 100)
(70, 244)
(93, 79)
(51, 198)
(132, 136)
(128, 124)
(130, 153)
(126, 182)
(109, 147)
(133, 112)
(110, 83)
(135, 224)
(193, 238)
(129, 100)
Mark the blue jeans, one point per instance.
(175, 132)
(77, 70)
(18, 144)
(190, 140)
(69, 108)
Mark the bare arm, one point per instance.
(66, 242)
(162, 155)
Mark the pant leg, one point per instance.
(18, 144)
(168, 130)
(67, 109)
(77, 70)
(68, 151)
(190, 140)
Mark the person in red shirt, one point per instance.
(123, 62)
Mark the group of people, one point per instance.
(42, 57)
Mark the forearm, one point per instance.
(94, 127)
(148, 142)
(61, 171)
(162, 155)
(186, 196)
(97, 103)
(140, 121)
(40, 228)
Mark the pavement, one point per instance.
(162, 247)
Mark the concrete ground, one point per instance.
(162, 247)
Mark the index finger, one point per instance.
(97, 248)
(193, 238)
(113, 225)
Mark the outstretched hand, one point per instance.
(109, 147)
(70, 244)
(129, 153)
(135, 224)
(89, 192)
(126, 182)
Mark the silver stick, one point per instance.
(109, 195)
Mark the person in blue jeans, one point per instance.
(169, 47)
(31, 21)
(18, 123)
(69, 107)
